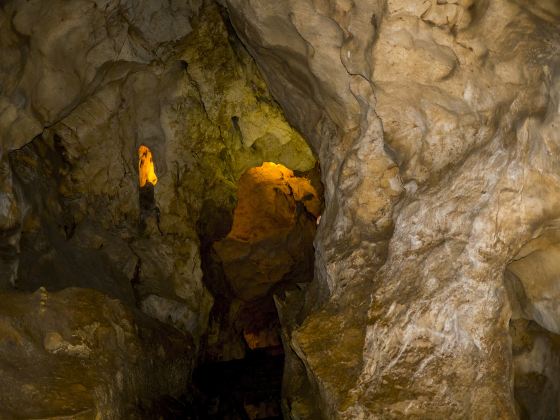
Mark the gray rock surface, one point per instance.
(436, 124)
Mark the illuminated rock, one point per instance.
(436, 124)
(146, 168)
(85, 85)
(273, 228)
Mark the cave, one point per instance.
(267, 252)
(299, 209)
(531, 280)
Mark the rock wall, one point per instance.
(83, 85)
(268, 250)
(436, 124)
(273, 227)
(79, 354)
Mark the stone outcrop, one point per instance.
(436, 124)
(85, 84)
(79, 354)
(272, 230)
(268, 249)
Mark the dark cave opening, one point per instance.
(263, 249)
(534, 327)
(113, 259)
(260, 249)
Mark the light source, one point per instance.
(146, 169)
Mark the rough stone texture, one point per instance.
(272, 231)
(436, 125)
(195, 101)
(83, 84)
(60, 52)
(79, 354)
(268, 249)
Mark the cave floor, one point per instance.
(244, 389)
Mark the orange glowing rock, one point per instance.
(146, 169)
(266, 206)
(272, 232)
(262, 339)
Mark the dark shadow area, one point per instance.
(244, 389)
(51, 252)
(250, 253)
(248, 388)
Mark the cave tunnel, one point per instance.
(164, 165)
(145, 235)
(267, 251)
(252, 252)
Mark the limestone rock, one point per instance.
(85, 84)
(436, 127)
(72, 203)
(59, 53)
(80, 354)
(268, 249)
(272, 231)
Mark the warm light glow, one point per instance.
(146, 169)
(267, 197)
(261, 339)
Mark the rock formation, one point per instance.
(437, 129)
(273, 222)
(436, 124)
(268, 249)
(84, 86)
(78, 353)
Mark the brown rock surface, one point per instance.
(272, 231)
(84, 84)
(268, 249)
(79, 354)
(436, 124)
(71, 206)
(437, 127)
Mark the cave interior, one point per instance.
(299, 209)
